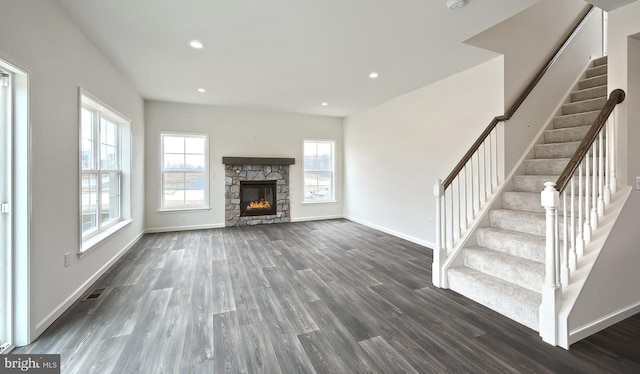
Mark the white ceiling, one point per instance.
(287, 55)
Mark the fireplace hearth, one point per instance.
(258, 198)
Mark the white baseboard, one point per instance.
(604, 322)
(184, 228)
(316, 218)
(400, 235)
(62, 307)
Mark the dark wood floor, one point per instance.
(325, 297)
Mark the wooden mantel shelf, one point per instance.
(258, 161)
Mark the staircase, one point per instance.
(505, 270)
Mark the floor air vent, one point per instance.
(95, 294)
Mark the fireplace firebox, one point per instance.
(258, 198)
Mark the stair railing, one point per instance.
(584, 191)
(474, 180)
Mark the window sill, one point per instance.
(320, 202)
(94, 242)
(182, 210)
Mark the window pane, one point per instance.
(310, 149)
(194, 145)
(89, 202)
(173, 161)
(107, 132)
(194, 189)
(108, 157)
(87, 139)
(310, 163)
(110, 197)
(195, 162)
(324, 149)
(173, 190)
(173, 144)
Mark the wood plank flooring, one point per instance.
(315, 297)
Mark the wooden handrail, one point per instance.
(523, 96)
(616, 97)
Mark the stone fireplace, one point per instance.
(256, 190)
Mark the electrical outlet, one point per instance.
(637, 183)
(67, 259)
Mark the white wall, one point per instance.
(236, 132)
(395, 151)
(36, 36)
(534, 35)
(611, 291)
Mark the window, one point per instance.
(5, 204)
(105, 139)
(318, 171)
(184, 165)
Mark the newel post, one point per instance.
(551, 290)
(439, 253)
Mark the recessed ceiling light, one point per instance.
(324, 103)
(373, 75)
(196, 44)
(202, 90)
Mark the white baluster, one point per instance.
(587, 201)
(574, 240)
(613, 182)
(580, 237)
(601, 175)
(564, 270)
(458, 204)
(551, 289)
(607, 188)
(439, 253)
(594, 190)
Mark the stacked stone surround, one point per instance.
(236, 173)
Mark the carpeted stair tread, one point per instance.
(566, 135)
(532, 183)
(513, 269)
(556, 150)
(589, 93)
(584, 106)
(529, 201)
(596, 70)
(528, 246)
(600, 61)
(517, 220)
(545, 166)
(506, 298)
(592, 82)
(575, 120)
(521, 221)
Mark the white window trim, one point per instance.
(333, 177)
(206, 206)
(93, 239)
